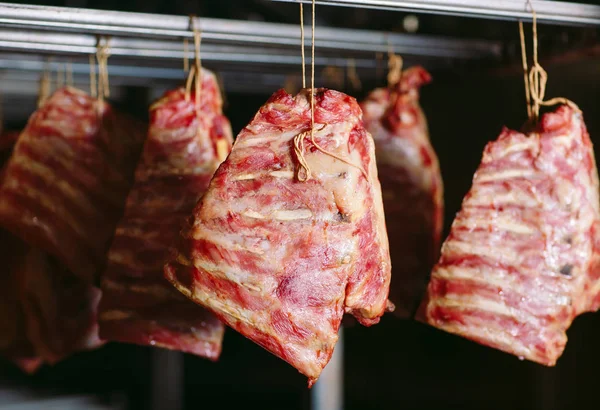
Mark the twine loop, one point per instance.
(395, 65)
(102, 54)
(304, 172)
(536, 79)
(195, 72)
(45, 85)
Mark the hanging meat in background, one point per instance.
(63, 191)
(7, 142)
(14, 344)
(411, 183)
(182, 152)
(67, 180)
(521, 260)
(60, 308)
(281, 260)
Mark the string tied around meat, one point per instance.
(45, 85)
(103, 86)
(395, 65)
(195, 72)
(536, 79)
(304, 172)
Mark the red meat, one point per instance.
(14, 344)
(67, 179)
(411, 183)
(281, 260)
(63, 191)
(60, 308)
(521, 260)
(182, 152)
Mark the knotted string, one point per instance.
(189, 81)
(536, 81)
(395, 65)
(538, 77)
(186, 62)
(302, 46)
(198, 64)
(45, 85)
(304, 172)
(93, 88)
(102, 54)
(312, 76)
(195, 73)
(525, 70)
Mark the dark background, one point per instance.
(396, 364)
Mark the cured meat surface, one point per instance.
(7, 142)
(14, 344)
(521, 260)
(181, 154)
(67, 179)
(63, 191)
(60, 308)
(281, 260)
(411, 183)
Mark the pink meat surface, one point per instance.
(521, 260)
(182, 152)
(411, 183)
(281, 260)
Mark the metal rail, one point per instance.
(17, 70)
(161, 36)
(363, 52)
(555, 12)
(328, 392)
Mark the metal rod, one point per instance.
(328, 392)
(135, 31)
(19, 75)
(167, 380)
(555, 12)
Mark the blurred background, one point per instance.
(396, 364)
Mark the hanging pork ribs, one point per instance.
(281, 260)
(67, 179)
(14, 344)
(521, 260)
(182, 152)
(63, 191)
(411, 183)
